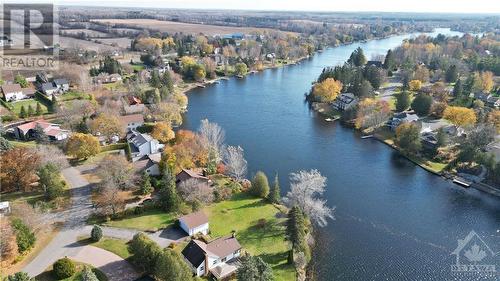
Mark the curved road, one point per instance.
(66, 244)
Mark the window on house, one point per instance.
(202, 268)
(224, 259)
(215, 262)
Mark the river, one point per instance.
(394, 221)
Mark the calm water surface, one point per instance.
(394, 221)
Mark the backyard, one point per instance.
(16, 106)
(259, 228)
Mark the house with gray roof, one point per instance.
(218, 258)
(48, 88)
(142, 145)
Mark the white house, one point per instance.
(194, 223)
(149, 164)
(5, 41)
(48, 88)
(12, 92)
(61, 84)
(142, 145)
(131, 122)
(218, 257)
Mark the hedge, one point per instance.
(25, 238)
(114, 146)
(64, 268)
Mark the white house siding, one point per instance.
(15, 96)
(192, 231)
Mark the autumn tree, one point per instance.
(460, 116)
(195, 191)
(327, 91)
(19, 165)
(110, 200)
(108, 126)
(82, 146)
(408, 137)
(162, 131)
(415, 85)
(240, 69)
(487, 81)
(494, 118)
(189, 149)
(372, 113)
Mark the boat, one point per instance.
(367, 136)
(201, 86)
(462, 182)
(329, 120)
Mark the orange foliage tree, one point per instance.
(18, 169)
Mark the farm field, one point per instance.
(68, 42)
(173, 27)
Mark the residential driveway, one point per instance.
(65, 243)
(112, 265)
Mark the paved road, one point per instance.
(65, 243)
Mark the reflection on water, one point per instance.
(395, 221)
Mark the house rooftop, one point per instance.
(135, 118)
(194, 174)
(11, 88)
(194, 219)
(221, 247)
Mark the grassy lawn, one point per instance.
(23, 143)
(149, 220)
(16, 106)
(138, 66)
(116, 246)
(72, 95)
(241, 213)
(47, 275)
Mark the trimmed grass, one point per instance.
(47, 275)
(242, 213)
(150, 220)
(72, 95)
(16, 106)
(113, 245)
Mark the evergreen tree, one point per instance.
(274, 194)
(155, 79)
(146, 187)
(389, 62)
(212, 162)
(167, 81)
(451, 74)
(254, 269)
(168, 192)
(170, 266)
(357, 57)
(39, 110)
(53, 105)
(458, 89)
(22, 112)
(4, 144)
(260, 185)
(296, 230)
(31, 111)
(39, 135)
(88, 274)
(50, 181)
(402, 101)
(96, 233)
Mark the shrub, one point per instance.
(20, 276)
(64, 268)
(88, 274)
(260, 185)
(96, 233)
(261, 223)
(25, 238)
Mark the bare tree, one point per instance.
(116, 171)
(236, 165)
(305, 188)
(194, 190)
(52, 154)
(213, 136)
(110, 201)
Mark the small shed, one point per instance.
(194, 223)
(4, 207)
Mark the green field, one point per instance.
(72, 95)
(241, 213)
(116, 246)
(16, 106)
(149, 220)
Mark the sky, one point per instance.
(426, 6)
